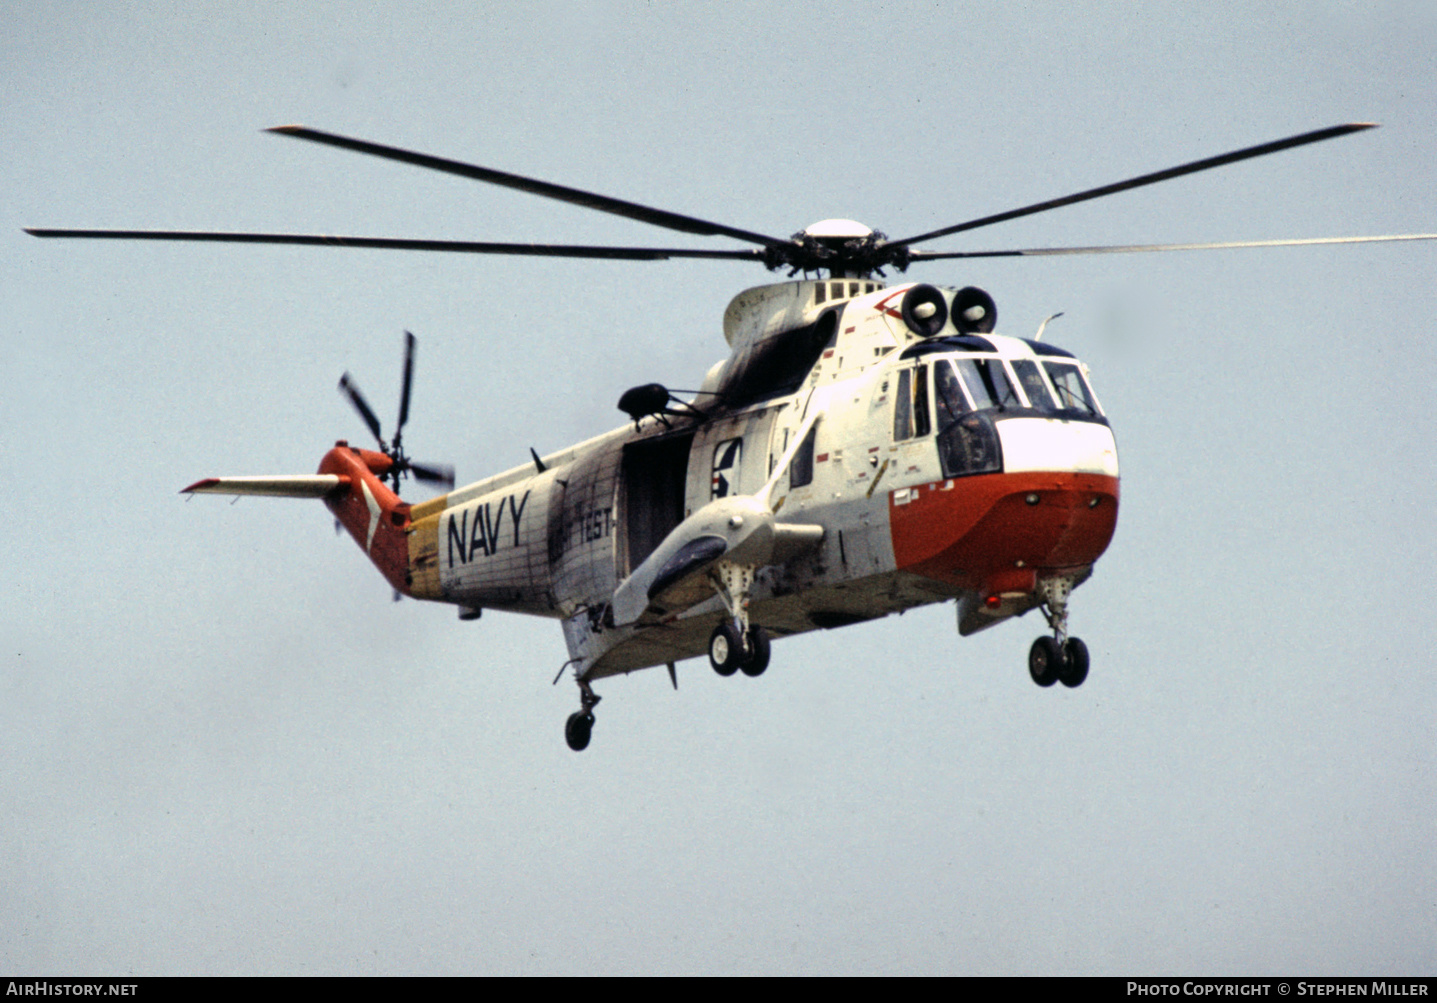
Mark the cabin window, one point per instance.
(1034, 385)
(1073, 391)
(820, 293)
(727, 455)
(903, 407)
(800, 470)
(910, 406)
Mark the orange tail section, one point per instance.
(375, 516)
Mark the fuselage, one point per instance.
(955, 465)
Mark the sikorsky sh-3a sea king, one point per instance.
(865, 448)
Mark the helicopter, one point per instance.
(866, 448)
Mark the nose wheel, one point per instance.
(1060, 658)
(1075, 663)
(1049, 662)
(1044, 660)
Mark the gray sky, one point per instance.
(223, 749)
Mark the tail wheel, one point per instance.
(726, 650)
(1075, 663)
(758, 652)
(578, 729)
(1045, 660)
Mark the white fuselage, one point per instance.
(913, 508)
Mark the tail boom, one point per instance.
(401, 539)
(376, 517)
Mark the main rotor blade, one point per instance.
(1146, 179)
(350, 389)
(406, 244)
(1136, 248)
(409, 342)
(590, 200)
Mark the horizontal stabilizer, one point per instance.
(296, 486)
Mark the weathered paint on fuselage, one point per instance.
(898, 533)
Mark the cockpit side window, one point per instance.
(1033, 384)
(1073, 391)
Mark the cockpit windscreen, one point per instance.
(1073, 391)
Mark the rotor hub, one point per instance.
(845, 248)
(836, 229)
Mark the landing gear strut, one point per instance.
(735, 643)
(1059, 658)
(579, 728)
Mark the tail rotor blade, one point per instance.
(399, 465)
(438, 473)
(409, 344)
(350, 389)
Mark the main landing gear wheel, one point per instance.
(758, 652)
(1075, 663)
(1045, 661)
(726, 649)
(578, 729)
(730, 651)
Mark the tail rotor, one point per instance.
(399, 464)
